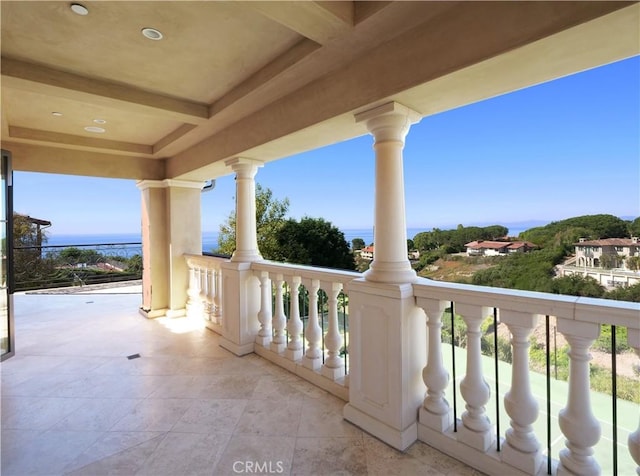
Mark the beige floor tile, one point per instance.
(211, 416)
(322, 417)
(270, 417)
(384, 460)
(48, 453)
(123, 463)
(72, 403)
(189, 454)
(154, 414)
(256, 455)
(36, 413)
(112, 443)
(329, 456)
(97, 414)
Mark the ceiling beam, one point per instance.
(79, 141)
(56, 160)
(41, 79)
(508, 55)
(317, 20)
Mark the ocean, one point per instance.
(210, 238)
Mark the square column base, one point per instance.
(439, 423)
(236, 349)
(527, 462)
(293, 354)
(399, 439)
(277, 348)
(331, 373)
(311, 364)
(263, 341)
(479, 440)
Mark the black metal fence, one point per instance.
(54, 266)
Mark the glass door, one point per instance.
(6, 257)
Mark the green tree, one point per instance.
(270, 216)
(29, 266)
(357, 244)
(634, 227)
(628, 293)
(577, 285)
(590, 226)
(134, 265)
(633, 263)
(314, 241)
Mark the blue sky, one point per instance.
(560, 149)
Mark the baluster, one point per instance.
(634, 438)
(477, 430)
(264, 316)
(203, 293)
(194, 304)
(312, 358)
(294, 325)
(522, 449)
(279, 341)
(333, 367)
(577, 421)
(211, 294)
(217, 295)
(435, 411)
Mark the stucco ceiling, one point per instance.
(266, 79)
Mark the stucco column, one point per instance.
(171, 227)
(241, 296)
(389, 125)
(246, 232)
(387, 341)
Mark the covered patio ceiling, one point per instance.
(266, 80)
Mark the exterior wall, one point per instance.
(607, 279)
(591, 256)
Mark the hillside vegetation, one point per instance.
(533, 271)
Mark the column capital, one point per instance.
(242, 164)
(146, 184)
(390, 121)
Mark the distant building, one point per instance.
(606, 253)
(497, 248)
(367, 253)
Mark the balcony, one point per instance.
(74, 403)
(290, 78)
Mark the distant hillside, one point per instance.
(569, 231)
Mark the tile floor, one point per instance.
(74, 404)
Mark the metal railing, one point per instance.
(55, 266)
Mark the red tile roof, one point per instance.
(609, 242)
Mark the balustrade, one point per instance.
(298, 309)
(204, 295)
(579, 321)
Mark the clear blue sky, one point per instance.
(560, 149)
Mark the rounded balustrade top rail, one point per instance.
(595, 310)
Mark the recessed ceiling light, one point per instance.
(57, 114)
(79, 9)
(152, 34)
(99, 121)
(98, 130)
